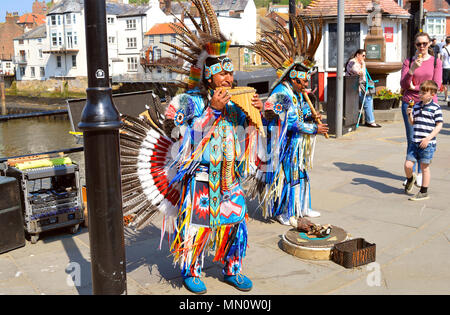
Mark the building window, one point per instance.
(58, 61)
(158, 54)
(59, 19)
(20, 41)
(40, 53)
(33, 72)
(151, 39)
(111, 40)
(59, 39)
(435, 26)
(74, 61)
(352, 33)
(131, 42)
(42, 70)
(54, 39)
(74, 19)
(22, 71)
(131, 24)
(132, 63)
(53, 20)
(68, 18)
(69, 40)
(110, 20)
(75, 39)
(161, 38)
(173, 39)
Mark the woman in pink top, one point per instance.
(416, 70)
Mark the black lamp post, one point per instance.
(100, 122)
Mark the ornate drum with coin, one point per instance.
(312, 247)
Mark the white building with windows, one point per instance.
(66, 41)
(7, 67)
(59, 47)
(435, 24)
(30, 59)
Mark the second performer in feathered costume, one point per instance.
(284, 184)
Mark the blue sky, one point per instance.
(21, 6)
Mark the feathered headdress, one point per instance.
(206, 41)
(283, 52)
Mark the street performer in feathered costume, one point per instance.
(199, 188)
(291, 122)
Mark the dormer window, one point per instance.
(131, 24)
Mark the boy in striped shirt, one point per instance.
(427, 121)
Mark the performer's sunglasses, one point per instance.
(216, 68)
(300, 75)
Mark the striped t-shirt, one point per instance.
(425, 119)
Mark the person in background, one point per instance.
(416, 70)
(435, 47)
(445, 56)
(356, 65)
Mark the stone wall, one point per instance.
(52, 86)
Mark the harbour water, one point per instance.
(34, 135)
(37, 135)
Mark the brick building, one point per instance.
(39, 7)
(8, 31)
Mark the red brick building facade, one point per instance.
(8, 31)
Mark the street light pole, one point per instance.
(100, 122)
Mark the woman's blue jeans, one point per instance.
(409, 132)
(368, 107)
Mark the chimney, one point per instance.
(168, 6)
(12, 17)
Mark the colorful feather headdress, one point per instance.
(283, 52)
(206, 41)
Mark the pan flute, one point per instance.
(242, 96)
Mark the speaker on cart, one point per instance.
(12, 233)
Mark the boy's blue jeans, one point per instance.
(368, 107)
(416, 154)
(409, 133)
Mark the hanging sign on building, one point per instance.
(373, 51)
(389, 34)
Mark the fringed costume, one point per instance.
(190, 159)
(282, 182)
(210, 164)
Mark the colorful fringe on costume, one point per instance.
(210, 163)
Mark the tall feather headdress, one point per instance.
(199, 44)
(284, 52)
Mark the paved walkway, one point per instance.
(356, 185)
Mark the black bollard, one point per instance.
(100, 122)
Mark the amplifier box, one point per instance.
(50, 198)
(12, 234)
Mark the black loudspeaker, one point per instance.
(132, 104)
(12, 233)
